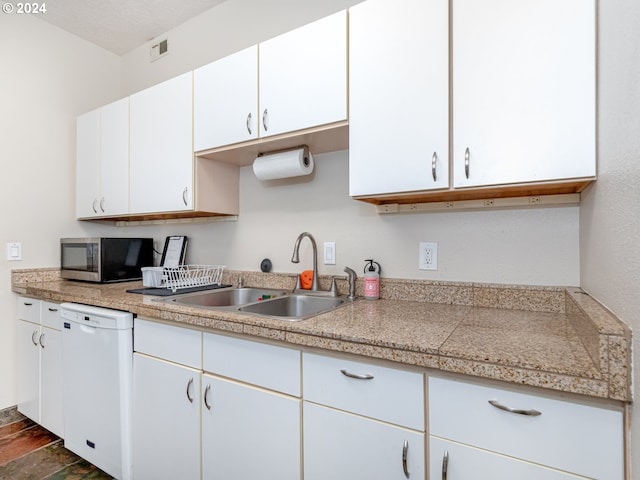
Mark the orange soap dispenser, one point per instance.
(372, 280)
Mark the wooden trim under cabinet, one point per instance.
(521, 190)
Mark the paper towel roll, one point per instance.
(292, 163)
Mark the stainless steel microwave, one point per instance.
(105, 260)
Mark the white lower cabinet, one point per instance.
(166, 401)
(166, 420)
(342, 446)
(454, 461)
(560, 434)
(39, 350)
(362, 420)
(249, 432)
(251, 417)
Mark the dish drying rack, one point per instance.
(183, 276)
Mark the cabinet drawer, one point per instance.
(29, 309)
(387, 394)
(176, 344)
(575, 437)
(268, 366)
(51, 315)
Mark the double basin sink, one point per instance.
(261, 301)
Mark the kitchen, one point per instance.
(44, 89)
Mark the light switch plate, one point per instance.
(329, 253)
(14, 251)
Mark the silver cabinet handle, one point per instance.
(531, 413)
(52, 309)
(445, 464)
(41, 338)
(405, 451)
(102, 204)
(433, 166)
(347, 373)
(27, 304)
(264, 119)
(206, 397)
(249, 123)
(189, 385)
(184, 196)
(33, 337)
(467, 154)
(95, 202)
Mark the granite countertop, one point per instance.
(551, 337)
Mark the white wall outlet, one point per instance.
(14, 251)
(428, 256)
(329, 253)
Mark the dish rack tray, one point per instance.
(184, 276)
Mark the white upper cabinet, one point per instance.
(303, 77)
(226, 100)
(161, 165)
(114, 168)
(88, 164)
(523, 91)
(102, 161)
(398, 96)
(292, 82)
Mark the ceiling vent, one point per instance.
(158, 50)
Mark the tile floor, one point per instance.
(29, 452)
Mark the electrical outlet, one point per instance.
(428, 256)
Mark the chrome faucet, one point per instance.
(296, 258)
(352, 283)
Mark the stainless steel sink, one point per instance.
(228, 297)
(294, 307)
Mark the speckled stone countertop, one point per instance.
(551, 337)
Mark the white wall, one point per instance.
(47, 77)
(610, 213)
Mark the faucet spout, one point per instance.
(295, 258)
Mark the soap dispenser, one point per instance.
(372, 280)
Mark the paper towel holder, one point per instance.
(284, 163)
(306, 158)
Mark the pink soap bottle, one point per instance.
(372, 280)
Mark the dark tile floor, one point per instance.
(29, 452)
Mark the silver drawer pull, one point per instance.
(249, 123)
(27, 304)
(189, 384)
(445, 464)
(206, 397)
(434, 159)
(405, 451)
(52, 309)
(467, 154)
(531, 413)
(347, 373)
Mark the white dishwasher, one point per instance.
(97, 363)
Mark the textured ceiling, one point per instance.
(122, 25)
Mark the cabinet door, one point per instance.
(114, 165)
(166, 420)
(303, 77)
(398, 96)
(341, 446)
(225, 100)
(28, 387)
(161, 148)
(51, 408)
(249, 432)
(454, 461)
(523, 91)
(88, 164)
